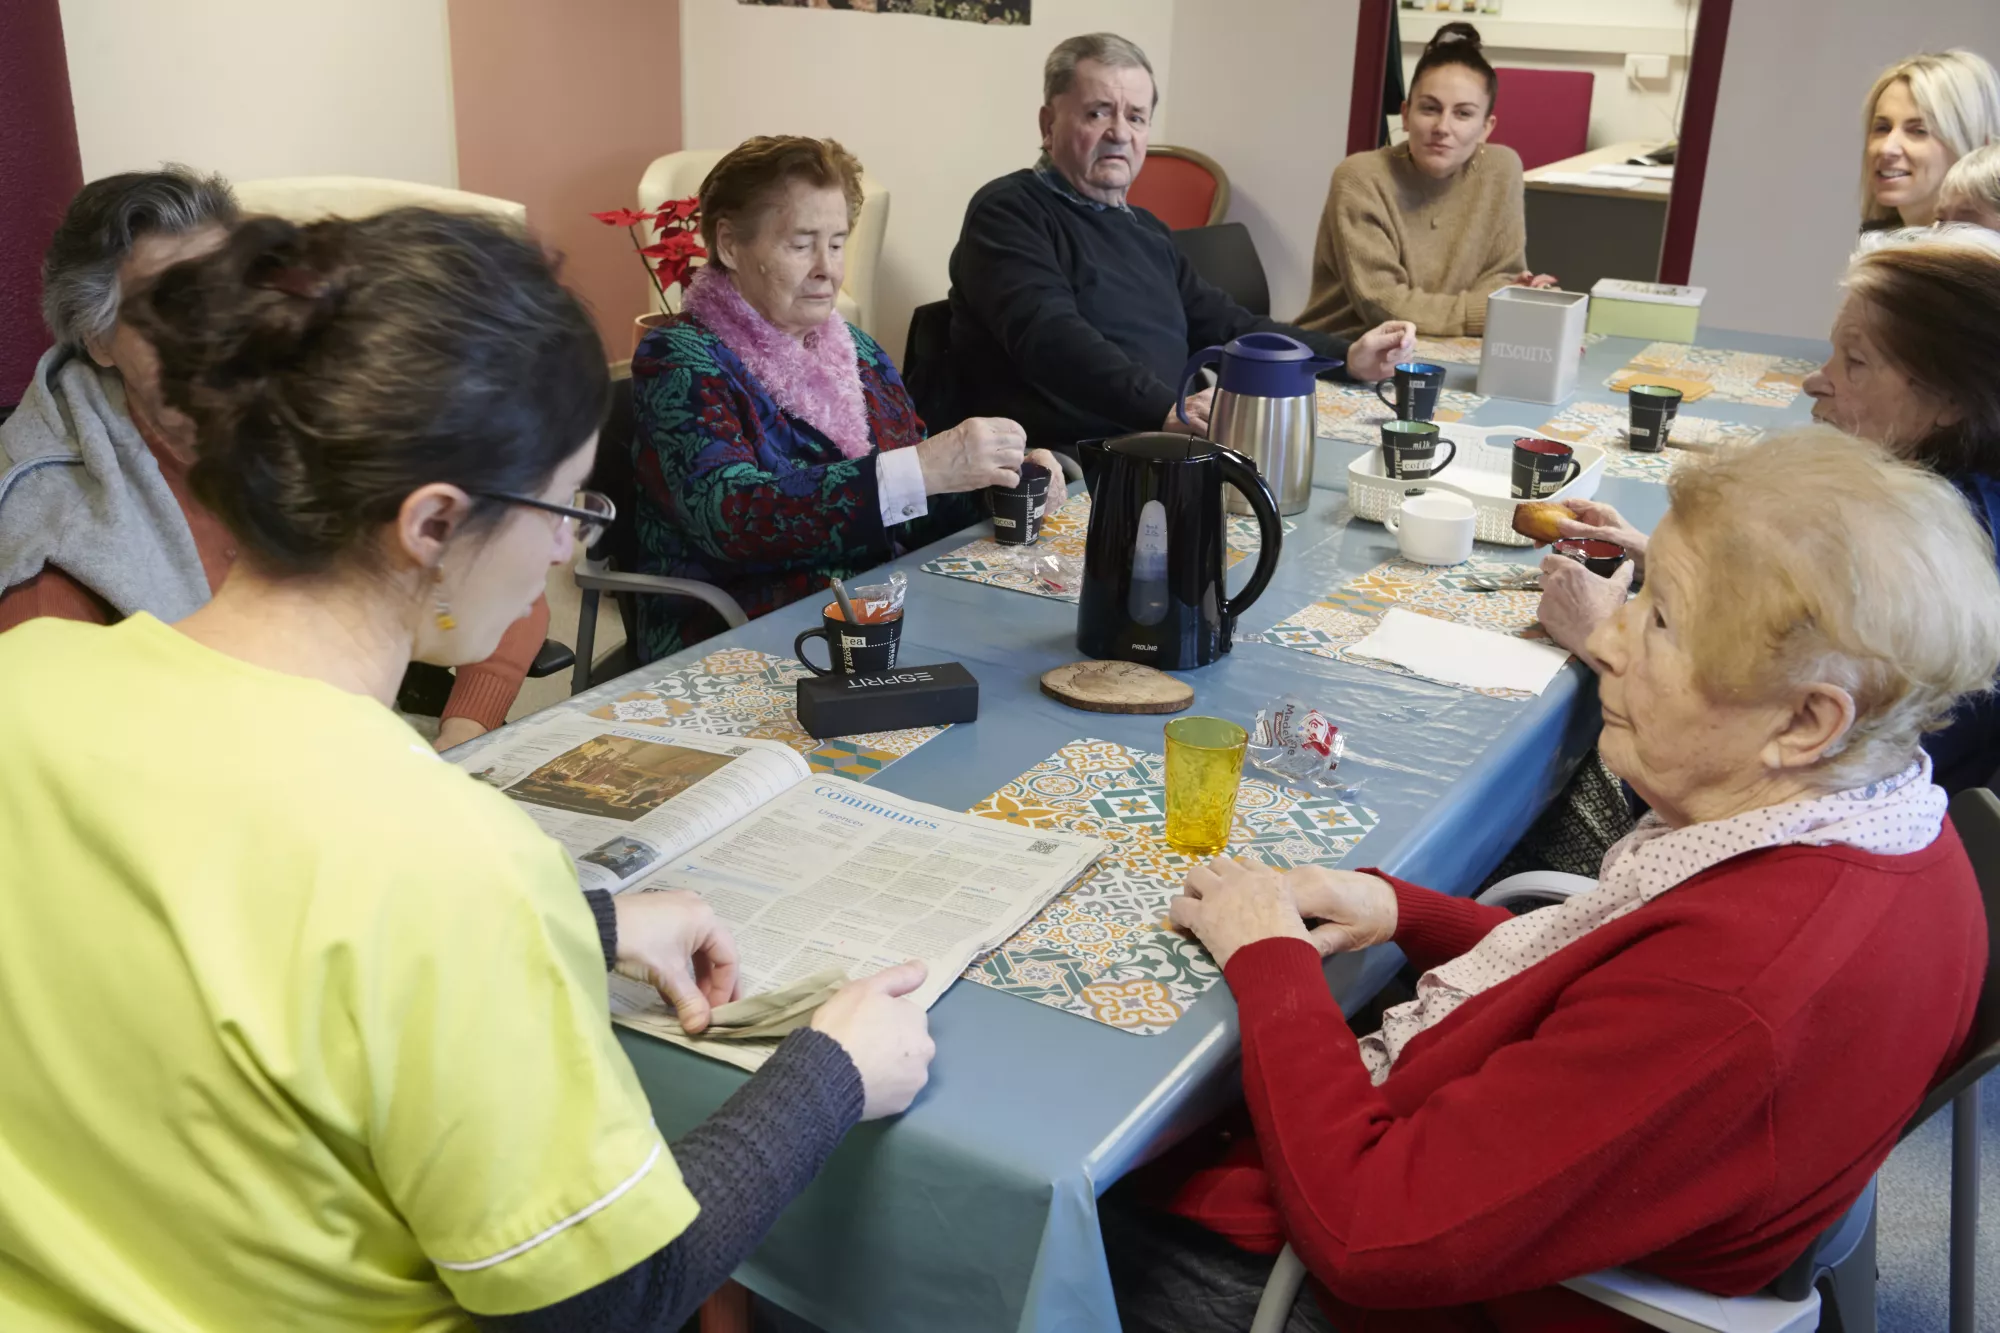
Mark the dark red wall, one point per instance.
(39, 172)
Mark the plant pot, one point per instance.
(644, 325)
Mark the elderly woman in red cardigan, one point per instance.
(1693, 1068)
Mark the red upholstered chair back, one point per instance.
(1544, 113)
(1181, 188)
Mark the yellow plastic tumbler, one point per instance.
(1204, 767)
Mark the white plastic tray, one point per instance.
(1482, 472)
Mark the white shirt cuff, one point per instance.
(899, 479)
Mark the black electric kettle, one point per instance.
(1153, 563)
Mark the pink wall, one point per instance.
(39, 172)
(560, 107)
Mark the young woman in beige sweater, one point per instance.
(1427, 229)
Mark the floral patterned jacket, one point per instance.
(736, 492)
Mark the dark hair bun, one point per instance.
(333, 368)
(1457, 44)
(259, 302)
(1450, 33)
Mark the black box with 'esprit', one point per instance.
(904, 696)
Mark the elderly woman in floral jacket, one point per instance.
(776, 446)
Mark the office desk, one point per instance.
(1581, 233)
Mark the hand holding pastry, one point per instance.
(1539, 520)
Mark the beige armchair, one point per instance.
(679, 175)
(306, 198)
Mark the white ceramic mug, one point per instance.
(1434, 528)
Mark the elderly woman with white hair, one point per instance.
(1911, 369)
(1694, 1067)
(1970, 194)
(98, 518)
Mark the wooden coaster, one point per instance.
(1116, 687)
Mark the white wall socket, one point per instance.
(1646, 68)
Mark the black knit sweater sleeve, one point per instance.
(607, 924)
(743, 1165)
(1013, 268)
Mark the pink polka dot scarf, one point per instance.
(1894, 817)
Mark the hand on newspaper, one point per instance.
(888, 1039)
(688, 956)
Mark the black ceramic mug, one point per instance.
(1653, 408)
(1542, 467)
(1417, 384)
(853, 650)
(1018, 509)
(1409, 449)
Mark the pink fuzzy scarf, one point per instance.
(817, 380)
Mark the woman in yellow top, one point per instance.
(1427, 229)
(314, 1035)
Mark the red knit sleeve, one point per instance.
(1433, 927)
(1636, 1116)
(485, 690)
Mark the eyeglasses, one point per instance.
(590, 511)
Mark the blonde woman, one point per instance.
(1971, 190)
(1922, 115)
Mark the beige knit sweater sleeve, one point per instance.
(1362, 256)
(1508, 258)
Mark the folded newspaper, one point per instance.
(809, 872)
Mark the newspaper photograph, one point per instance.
(624, 799)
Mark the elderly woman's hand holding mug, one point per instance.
(1596, 521)
(982, 452)
(1575, 602)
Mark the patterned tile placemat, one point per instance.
(1456, 351)
(1758, 378)
(1467, 351)
(1353, 413)
(743, 692)
(1103, 950)
(1063, 534)
(1329, 627)
(1605, 424)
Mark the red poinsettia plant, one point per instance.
(676, 240)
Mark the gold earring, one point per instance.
(446, 622)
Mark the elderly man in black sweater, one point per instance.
(1071, 311)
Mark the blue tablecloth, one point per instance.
(976, 1211)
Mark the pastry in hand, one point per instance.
(1536, 520)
